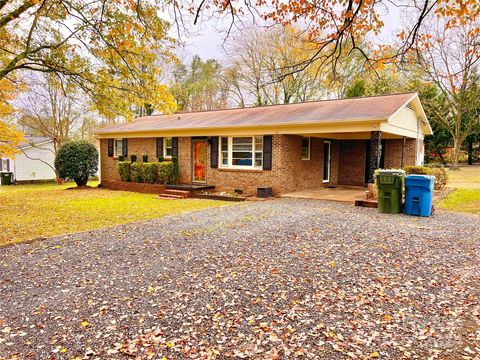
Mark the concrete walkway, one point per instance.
(339, 193)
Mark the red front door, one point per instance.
(199, 160)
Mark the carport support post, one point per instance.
(375, 154)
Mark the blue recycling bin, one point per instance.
(419, 194)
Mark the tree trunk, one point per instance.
(470, 151)
(58, 179)
(81, 181)
(440, 156)
(456, 153)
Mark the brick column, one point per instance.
(375, 153)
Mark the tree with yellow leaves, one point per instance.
(112, 49)
(10, 136)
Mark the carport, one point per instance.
(332, 193)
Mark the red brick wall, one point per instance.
(351, 167)
(289, 172)
(135, 187)
(185, 160)
(136, 146)
(334, 162)
(393, 153)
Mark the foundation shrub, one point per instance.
(125, 170)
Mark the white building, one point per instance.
(34, 162)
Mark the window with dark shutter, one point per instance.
(125, 147)
(175, 147)
(214, 152)
(8, 165)
(160, 147)
(267, 152)
(110, 147)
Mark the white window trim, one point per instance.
(165, 156)
(230, 151)
(3, 163)
(309, 144)
(329, 159)
(115, 148)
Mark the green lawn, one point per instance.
(467, 177)
(32, 211)
(466, 197)
(463, 200)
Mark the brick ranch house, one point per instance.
(288, 147)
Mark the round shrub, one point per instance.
(441, 176)
(150, 172)
(136, 171)
(124, 170)
(77, 160)
(166, 172)
(175, 170)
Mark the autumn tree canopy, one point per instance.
(197, 86)
(333, 24)
(10, 136)
(111, 49)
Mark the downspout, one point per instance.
(402, 162)
(416, 142)
(99, 162)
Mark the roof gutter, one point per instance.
(269, 128)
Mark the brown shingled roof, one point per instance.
(325, 111)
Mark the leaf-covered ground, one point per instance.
(41, 210)
(281, 279)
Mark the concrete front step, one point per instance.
(170, 197)
(182, 193)
(174, 194)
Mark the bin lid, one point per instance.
(420, 177)
(427, 181)
(391, 172)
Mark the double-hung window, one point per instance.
(224, 151)
(118, 147)
(4, 165)
(244, 152)
(167, 148)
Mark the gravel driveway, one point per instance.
(278, 279)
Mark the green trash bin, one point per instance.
(390, 188)
(6, 178)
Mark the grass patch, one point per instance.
(42, 210)
(466, 196)
(467, 177)
(462, 200)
